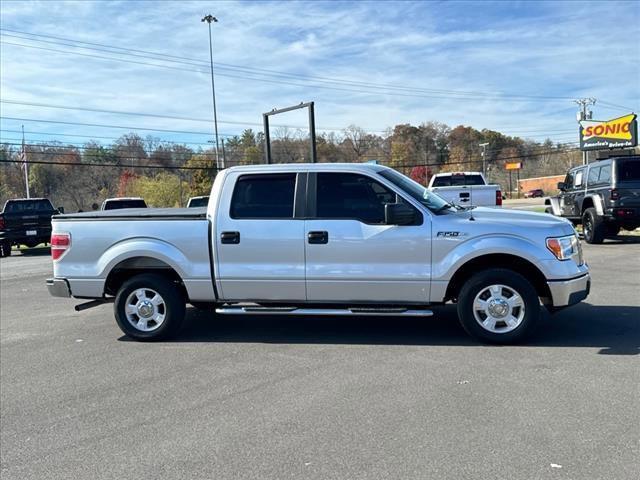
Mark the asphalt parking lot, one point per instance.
(276, 398)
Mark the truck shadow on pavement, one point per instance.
(615, 330)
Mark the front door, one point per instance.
(352, 255)
(259, 243)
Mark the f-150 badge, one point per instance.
(451, 234)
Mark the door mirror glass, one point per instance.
(562, 186)
(399, 214)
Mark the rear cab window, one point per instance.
(458, 180)
(26, 206)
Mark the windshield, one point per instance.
(432, 201)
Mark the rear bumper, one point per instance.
(58, 287)
(569, 292)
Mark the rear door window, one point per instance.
(594, 173)
(264, 196)
(605, 175)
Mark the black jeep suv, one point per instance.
(603, 196)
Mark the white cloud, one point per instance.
(463, 46)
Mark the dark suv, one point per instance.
(603, 196)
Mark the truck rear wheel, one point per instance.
(5, 249)
(593, 226)
(498, 306)
(149, 307)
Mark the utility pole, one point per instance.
(25, 165)
(484, 165)
(584, 114)
(211, 19)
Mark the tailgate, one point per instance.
(482, 195)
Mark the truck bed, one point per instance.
(137, 214)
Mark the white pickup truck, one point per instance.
(321, 239)
(466, 188)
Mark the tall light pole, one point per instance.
(211, 19)
(584, 114)
(484, 168)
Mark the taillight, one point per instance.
(498, 198)
(1, 223)
(60, 243)
(615, 195)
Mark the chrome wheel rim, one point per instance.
(145, 309)
(498, 308)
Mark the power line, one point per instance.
(92, 137)
(252, 70)
(155, 115)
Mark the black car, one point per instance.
(25, 221)
(603, 196)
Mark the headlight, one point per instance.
(565, 248)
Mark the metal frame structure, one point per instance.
(312, 129)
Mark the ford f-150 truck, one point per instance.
(320, 239)
(466, 188)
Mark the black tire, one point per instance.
(525, 317)
(548, 210)
(172, 309)
(593, 227)
(5, 249)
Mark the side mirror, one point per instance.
(562, 186)
(61, 209)
(399, 214)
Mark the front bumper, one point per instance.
(58, 287)
(569, 292)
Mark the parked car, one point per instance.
(123, 202)
(25, 221)
(322, 239)
(198, 201)
(603, 196)
(535, 193)
(466, 188)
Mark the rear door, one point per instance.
(352, 255)
(259, 238)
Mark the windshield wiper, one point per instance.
(444, 207)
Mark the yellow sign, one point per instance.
(619, 132)
(513, 165)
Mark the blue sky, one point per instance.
(509, 66)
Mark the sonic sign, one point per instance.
(617, 133)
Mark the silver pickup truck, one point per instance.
(321, 239)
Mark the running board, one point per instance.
(354, 311)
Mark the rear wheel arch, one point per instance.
(133, 266)
(514, 263)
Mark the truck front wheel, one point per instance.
(149, 307)
(498, 306)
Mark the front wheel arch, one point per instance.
(499, 260)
